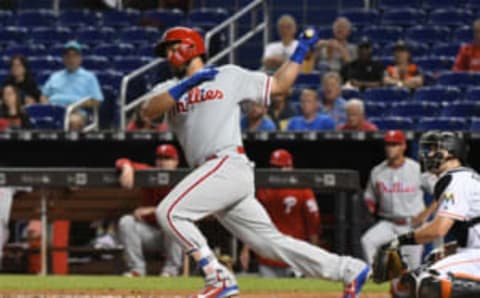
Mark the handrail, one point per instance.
(72, 107)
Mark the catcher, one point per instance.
(457, 192)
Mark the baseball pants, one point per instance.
(224, 187)
(138, 236)
(385, 231)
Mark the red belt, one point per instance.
(240, 150)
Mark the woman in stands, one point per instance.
(403, 73)
(11, 108)
(22, 78)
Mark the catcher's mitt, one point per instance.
(387, 264)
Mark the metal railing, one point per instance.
(234, 42)
(71, 108)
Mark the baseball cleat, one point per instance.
(221, 284)
(353, 289)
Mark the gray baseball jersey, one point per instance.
(397, 192)
(206, 119)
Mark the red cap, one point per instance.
(281, 158)
(395, 136)
(167, 150)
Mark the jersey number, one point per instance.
(289, 203)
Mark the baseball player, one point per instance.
(458, 194)
(293, 211)
(202, 107)
(139, 231)
(394, 194)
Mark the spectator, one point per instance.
(280, 110)
(22, 78)
(336, 52)
(404, 73)
(468, 57)
(255, 120)
(356, 119)
(139, 231)
(72, 84)
(310, 118)
(294, 212)
(277, 52)
(364, 72)
(333, 103)
(11, 108)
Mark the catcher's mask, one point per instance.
(436, 148)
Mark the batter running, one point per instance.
(202, 108)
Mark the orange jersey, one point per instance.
(293, 211)
(395, 72)
(468, 58)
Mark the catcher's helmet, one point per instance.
(281, 158)
(433, 141)
(191, 45)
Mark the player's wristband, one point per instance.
(300, 52)
(181, 88)
(407, 239)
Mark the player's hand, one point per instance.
(127, 178)
(142, 212)
(309, 37)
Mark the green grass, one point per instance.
(250, 284)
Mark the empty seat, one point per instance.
(36, 18)
(414, 109)
(386, 94)
(162, 18)
(110, 78)
(463, 34)
(51, 34)
(375, 109)
(12, 34)
(128, 63)
(445, 49)
(77, 18)
(72, 4)
(310, 79)
(433, 4)
(388, 123)
(125, 18)
(361, 17)
(325, 32)
(25, 50)
(46, 116)
(443, 123)
(458, 79)
(450, 17)
(207, 16)
(388, 4)
(320, 15)
(383, 34)
(41, 63)
(95, 35)
(34, 4)
(110, 50)
(427, 34)
(95, 62)
(351, 93)
(43, 76)
(6, 17)
(417, 49)
(461, 109)
(475, 125)
(147, 50)
(473, 4)
(437, 94)
(473, 94)
(140, 35)
(435, 64)
(403, 17)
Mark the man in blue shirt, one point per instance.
(310, 119)
(255, 120)
(333, 103)
(73, 83)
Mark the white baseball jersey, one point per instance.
(461, 201)
(397, 192)
(206, 119)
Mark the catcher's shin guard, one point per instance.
(455, 286)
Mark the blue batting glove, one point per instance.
(205, 74)
(306, 41)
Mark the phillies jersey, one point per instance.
(461, 201)
(396, 192)
(206, 119)
(293, 211)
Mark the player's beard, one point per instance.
(181, 71)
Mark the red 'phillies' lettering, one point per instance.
(197, 95)
(397, 187)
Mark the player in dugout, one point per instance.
(294, 211)
(139, 231)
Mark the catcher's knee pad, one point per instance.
(434, 287)
(464, 286)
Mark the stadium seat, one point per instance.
(110, 78)
(95, 62)
(388, 123)
(12, 34)
(6, 17)
(351, 93)
(443, 123)
(34, 4)
(40, 63)
(433, 4)
(117, 49)
(36, 18)
(414, 109)
(403, 17)
(427, 34)
(383, 34)
(417, 49)
(139, 35)
(437, 94)
(49, 35)
(207, 16)
(311, 79)
(72, 4)
(125, 18)
(3, 75)
(95, 35)
(445, 49)
(461, 109)
(320, 16)
(388, 4)
(353, 3)
(42, 76)
(46, 116)
(475, 124)
(25, 50)
(375, 109)
(361, 17)
(128, 64)
(78, 18)
(450, 17)
(146, 50)
(458, 79)
(463, 34)
(386, 94)
(162, 18)
(435, 64)
(473, 94)
(473, 5)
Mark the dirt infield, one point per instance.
(155, 294)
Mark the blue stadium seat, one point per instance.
(311, 79)
(437, 94)
(388, 4)
(414, 109)
(463, 34)
(325, 32)
(46, 116)
(475, 125)
(128, 64)
(3, 75)
(43, 76)
(386, 94)
(353, 3)
(78, 18)
(386, 60)
(459, 79)
(34, 4)
(139, 35)
(445, 49)
(125, 18)
(320, 16)
(110, 78)
(26, 50)
(417, 49)
(207, 16)
(435, 64)
(146, 50)
(12, 34)
(95, 35)
(451, 17)
(383, 34)
(117, 49)
(72, 4)
(361, 17)
(49, 35)
(388, 123)
(6, 17)
(473, 4)
(39, 63)
(36, 18)
(351, 93)
(427, 34)
(442, 123)
(375, 109)
(433, 4)
(250, 55)
(403, 17)
(94, 62)
(162, 18)
(461, 109)
(473, 94)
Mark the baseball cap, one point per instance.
(395, 136)
(167, 151)
(365, 42)
(281, 158)
(73, 45)
(401, 46)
